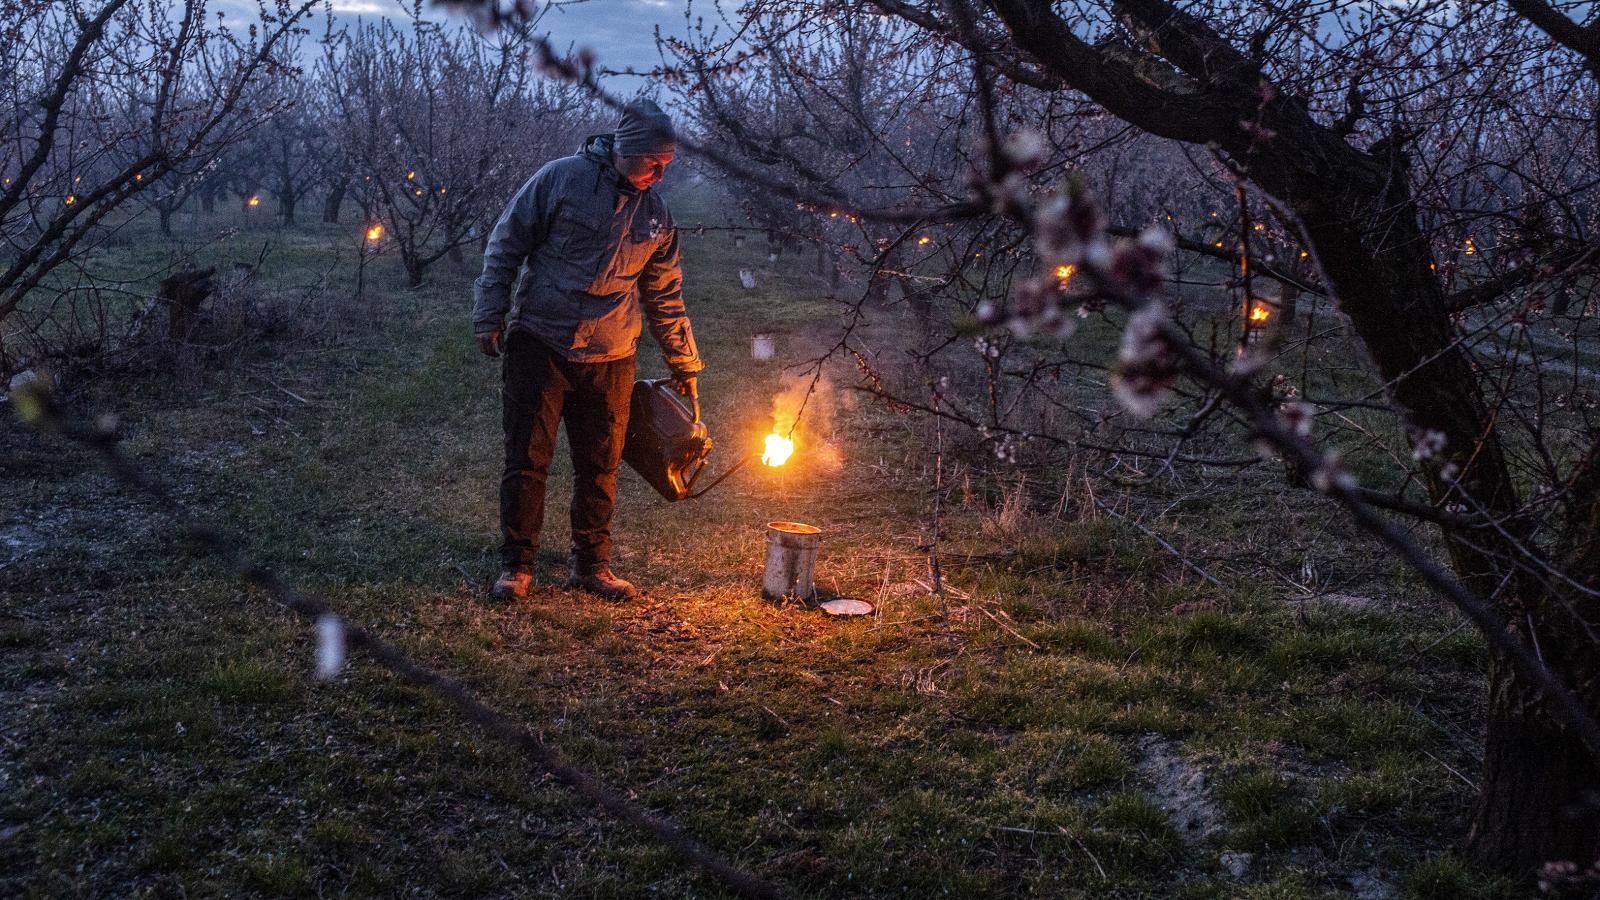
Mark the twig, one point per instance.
(1164, 545)
(1090, 853)
(1452, 770)
(1014, 633)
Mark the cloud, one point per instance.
(366, 7)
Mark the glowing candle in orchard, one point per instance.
(1064, 274)
(1259, 314)
(254, 200)
(374, 234)
(777, 451)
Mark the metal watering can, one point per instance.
(666, 444)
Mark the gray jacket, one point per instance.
(592, 252)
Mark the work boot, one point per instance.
(597, 579)
(513, 583)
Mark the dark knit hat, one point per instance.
(644, 129)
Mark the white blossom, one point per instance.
(1146, 363)
(330, 646)
(1026, 149)
(1296, 417)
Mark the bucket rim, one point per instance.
(793, 528)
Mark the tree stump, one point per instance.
(183, 293)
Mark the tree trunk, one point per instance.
(332, 203)
(286, 205)
(1376, 257)
(1541, 787)
(414, 268)
(1358, 215)
(164, 216)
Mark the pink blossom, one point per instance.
(1147, 365)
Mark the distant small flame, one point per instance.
(778, 450)
(411, 174)
(1065, 272)
(71, 199)
(254, 200)
(1260, 314)
(1471, 248)
(375, 233)
(923, 240)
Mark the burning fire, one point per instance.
(254, 200)
(778, 450)
(1260, 314)
(1064, 273)
(375, 233)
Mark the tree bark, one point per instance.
(1538, 802)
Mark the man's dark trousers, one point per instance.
(543, 388)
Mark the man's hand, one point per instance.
(688, 386)
(489, 341)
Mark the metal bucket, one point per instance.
(791, 561)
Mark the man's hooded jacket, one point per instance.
(593, 252)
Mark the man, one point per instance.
(596, 248)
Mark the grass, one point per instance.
(166, 734)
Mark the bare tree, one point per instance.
(102, 102)
(437, 127)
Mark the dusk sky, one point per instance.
(621, 32)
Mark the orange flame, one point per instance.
(1260, 314)
(1065, 272)
(375, 233)
(254, 200)
(777, 451)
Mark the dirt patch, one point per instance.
(1180, 788)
